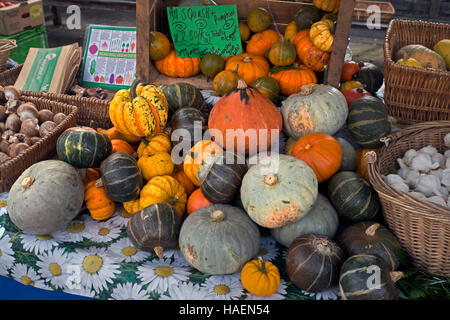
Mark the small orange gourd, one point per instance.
(97, 202)
(260, 277)
(120, 145)
(183, 179)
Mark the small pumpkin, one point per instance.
(358, 271)
(321, 152)
(211, 64)
(183, 95)
(361, 163)
(268, 86)
(291, 31)
(305, 16)
(349, 157)
(282, 53)
(249, 67)
(370, 76)
(133, 206)
(114, 133)
(292, 78)
(308, 54)
(260, 277)
(442, 47)
(164, 189)
(184, 125)
(97, 202)
(187, 184)
(197, 156)
(154, 228)
(196, 201)
(244, 31)
(349, 70)
(119, 145)
(159, 45)
(321, 35)
(175, 67)
(322, 219)
(121, 177)
(427, 57)
(155, 164)
(327, 5)
(313, 262)
(353, 196)
(351, 84)
(278, 191)
(91, 174)
(410, 62)
(83, 148)
(233, 239)
(371, 238)
(355, 93)
(225, 80)
(261, 42)
(158, 142)
(258, 19)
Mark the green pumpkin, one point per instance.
(372, 238)
(359, 276)
(121, 177)
(306, 15)
(46, 197)
(348, 155)
(183, 95)
(322, 219)
(368, 121)
(211, 64)
(370, 76)
(219, 239)
(83, 148)
(353, 197)
(278, 190)
(268, 86)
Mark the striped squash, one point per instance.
(183, 95)
(359, 270)
(372, 238)
(368, 121)
(121, 177)
(352, 196)
(140, 113)
(83, 148)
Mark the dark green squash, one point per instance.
(353, 196)
(305, 16)
(348, 155)
(367, 277)
(211, 64)
(313, 262)
(219, 239)
(154, 228)
(183, 95)
(121, 177)
(221, 177)
(83, 148)
(372, 238)
(370, 76)
(183, 126)
(268, 86)
(368, 121)
(322, 219)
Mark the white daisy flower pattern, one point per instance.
(185, 291)
(129, 291)
(74, 232)
(177, 256)
(54, 267)
(97, 269)
(124, 251)
(278, 295)
(6, 253)
(37, 244)
(28, 276)
(81, 291)
(329, 294)
(268, 249)
(120, 218)
(224, 287)
(160, 274)
(101, 231)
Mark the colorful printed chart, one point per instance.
(110, 57)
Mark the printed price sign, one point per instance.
(199, 30)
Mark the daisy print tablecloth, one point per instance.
(96, 259)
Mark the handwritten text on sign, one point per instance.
(199, 30)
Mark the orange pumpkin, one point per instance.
(198, 154)
(321, 152)
(249, 67)
(261, 42)
(97, 202)
(114, 133)
(361, 164)
(175, 67)
(159, 45)
(91, 174)
(183, 179)
(120, 145)
(196, 201)
(349, 70)
(327, 5)
(308, 54)
(291, 80)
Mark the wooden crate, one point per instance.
(151, 15)
(387, 10)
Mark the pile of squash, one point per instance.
(419, 56)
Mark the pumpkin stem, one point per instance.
(263, 264)
(217, 215)
(271, 179)
(99, 183)
(27, 182)
(306, 90)
(241, 84)
(247, 59)
(370, 231)
(308, 146)
(159, 251)
(396, 275)
(135, 83)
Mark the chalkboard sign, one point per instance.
(199, 30)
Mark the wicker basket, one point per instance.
(422, 227)
(415, 95)
(5, 47)
(13, 168)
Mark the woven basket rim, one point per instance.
(428, 209)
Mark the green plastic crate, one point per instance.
(30, 38)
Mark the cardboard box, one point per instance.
(16, 18)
